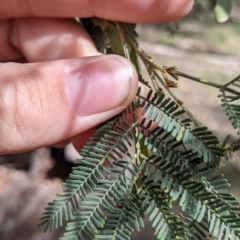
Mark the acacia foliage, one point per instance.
(162, 165)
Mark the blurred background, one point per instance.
(199, 46)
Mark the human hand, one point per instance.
(63, 87)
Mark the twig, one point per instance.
(123, 40)
(212, 84)
(146, 58)
(195, 121)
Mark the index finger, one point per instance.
(118, 10)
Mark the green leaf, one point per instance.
(223, 10)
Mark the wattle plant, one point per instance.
(153, 160)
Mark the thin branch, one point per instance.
(195, 121)
(143, 54)
(146, 58)
(212, 84)
(231, 82)
(123, 40)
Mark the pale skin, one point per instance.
(49, 66)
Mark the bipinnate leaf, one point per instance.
(153, 160)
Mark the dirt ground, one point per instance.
(200, 48)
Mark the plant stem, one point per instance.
(145, 58)
(231, 82)
(212, 84)
(195, 121)
(123, 40)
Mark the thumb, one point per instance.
(45, 103)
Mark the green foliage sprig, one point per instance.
(162, 165)
(229, 102)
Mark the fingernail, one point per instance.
(98, 86)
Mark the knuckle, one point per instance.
(20, 108)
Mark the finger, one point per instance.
(62, 144)
(80, 140)
(7, 50)
(38, 39)
(119, 10)
(42, 39)
(45, 103)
